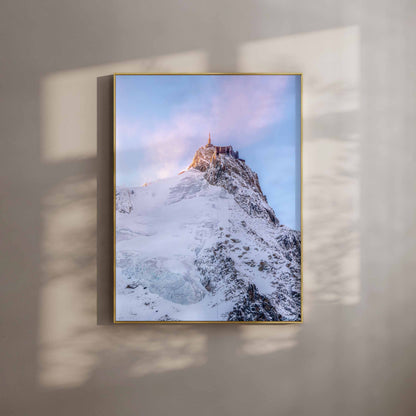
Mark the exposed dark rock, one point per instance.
(124, 201)
(226, 265)
(235, 177)
(217, 268)
(254, 307)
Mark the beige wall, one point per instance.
(354, 355)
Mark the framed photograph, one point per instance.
(207, 198)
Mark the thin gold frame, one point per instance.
(301, 199)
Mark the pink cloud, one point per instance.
(246, 104)
(242, 106)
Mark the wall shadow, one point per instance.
(354, 357)
(105, 170)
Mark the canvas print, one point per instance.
(207, 198)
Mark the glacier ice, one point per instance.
(205, 245)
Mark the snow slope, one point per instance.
(204, 245)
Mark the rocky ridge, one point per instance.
(246, 265)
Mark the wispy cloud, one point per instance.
(161, 123)
(247, 104)
(234, 110)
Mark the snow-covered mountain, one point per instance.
(205, 246)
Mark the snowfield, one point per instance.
(188, 250)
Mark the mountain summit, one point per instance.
(205, 245)
(223, 167)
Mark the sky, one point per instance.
(161, 120)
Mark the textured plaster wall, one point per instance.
(355, 352)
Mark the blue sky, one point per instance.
(161, 120)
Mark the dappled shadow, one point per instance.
(74, 352)
(347, 358)
(331, 148)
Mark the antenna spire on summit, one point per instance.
(209, 138)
